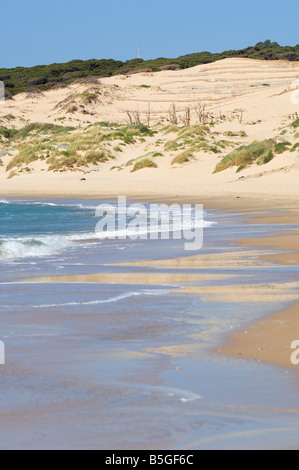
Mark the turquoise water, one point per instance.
(35, 229)
(81, 371)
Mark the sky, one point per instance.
(36, 32)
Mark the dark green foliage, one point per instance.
(44, 77)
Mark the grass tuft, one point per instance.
(145, 163)
(259, 151)
(182, 158)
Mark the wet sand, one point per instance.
(268, 340)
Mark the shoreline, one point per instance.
(230, 202)
(257, 340)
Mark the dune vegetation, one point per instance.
(196, 138)
(65, 148)
(259, 152)
(62, 148)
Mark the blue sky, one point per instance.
(37, 32)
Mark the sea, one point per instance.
(115, 363)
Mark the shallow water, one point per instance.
(84, 364)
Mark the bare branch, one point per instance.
(130, 117)
(172, 115)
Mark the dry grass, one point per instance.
(182, 158)
(260, 152)
(144, 163)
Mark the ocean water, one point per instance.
(108, 364)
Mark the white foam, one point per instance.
(12, 249)
(126, 295)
